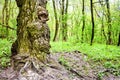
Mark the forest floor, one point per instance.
(64, 66)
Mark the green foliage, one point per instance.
(107, 55)
(5, 61)
(100, 75)
(5, 47)
(64, 62)
(113, 68)
(13, 11)
(59, 47)
(6, 41)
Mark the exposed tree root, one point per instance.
(33, 69)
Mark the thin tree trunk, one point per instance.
(10, 9)
(62, 18)
(102, 26)
(102, 29)
(119, 40)
(64, 11)
(109, 22)
(56, 21)
(83, 14)
(3, 14)
(7, 16)
(92, 18)
(66, 17)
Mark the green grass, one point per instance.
(107, 55)
(97, 52)
(5, 47)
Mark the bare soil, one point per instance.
(61, 66)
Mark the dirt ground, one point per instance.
(62, 66)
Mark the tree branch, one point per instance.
(7, 26)
(98, 2)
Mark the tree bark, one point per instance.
(56, 21)
(93, 24)
(33, 35)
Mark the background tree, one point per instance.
(32, 45)
(118, 40)
(5, 16)
(56, 20)
(92, 18)
(108, 22)
(102, 20)
(83, 14)
(64, 10)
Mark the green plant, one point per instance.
(5, 61)
(5, 47)
(112, 68)
(64, 62)
(100, 75)
(107, 55)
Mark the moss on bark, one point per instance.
(33, 34)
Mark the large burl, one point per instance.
(39, 34)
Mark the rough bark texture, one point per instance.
(33, 35)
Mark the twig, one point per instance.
(98, 2)
(96, 12)
(7, 26)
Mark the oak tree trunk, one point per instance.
(33, 35)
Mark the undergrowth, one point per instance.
(5, 47)
(105, 55)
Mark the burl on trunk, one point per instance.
(33, 35)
